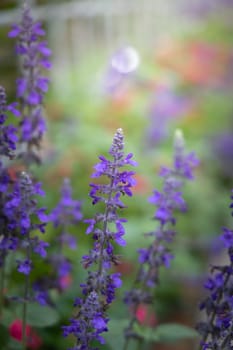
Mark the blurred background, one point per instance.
(149, 67)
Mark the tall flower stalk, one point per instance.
(158, 254)
(66, 214)
(32, 84)
(91, 319)
(23, 216)
(217, 330)
(8, 141)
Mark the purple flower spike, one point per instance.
(216, 330)
(32, 85)
(8, 137)
(158, 254)
(22, 216)
(24, 266)
(106, 229)
(66, 214)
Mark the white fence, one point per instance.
(78, 28)
(75, 26)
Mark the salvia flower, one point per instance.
(158, 254)
(66, 214)
(216, 331)
(23, 216)
(8, 133)
(32, 85)
(107, 230)
(8, 142)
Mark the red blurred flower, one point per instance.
(34, 342)
(124, 267)
(14, 171)
(142, 185)
(145, 316)
(65, 281)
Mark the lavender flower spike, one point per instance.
(32, 85)
(98, 292)
(65, 214)
(8, 137)
(158, 254)
(217, 331)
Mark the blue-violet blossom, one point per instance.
(8, 141)
(66, 214)
(23, 216)
(158, 254)
(8, 133)
(98, 291)
(217, 330)
(32, 85)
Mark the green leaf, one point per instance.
(165, 333)
(40, 316)
(115, 335)
(147, 333)
(14, 345)
(171, 332)
(7, 318)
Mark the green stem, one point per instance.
(2, 280)
(143, 285)
(140, 342)
(25, 305)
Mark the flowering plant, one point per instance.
(42, 286)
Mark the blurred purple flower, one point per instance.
(167, 202)
(32, 85)
(8, 133)
(222, 151)
(66, 214)
(203, 9)
(166, 106)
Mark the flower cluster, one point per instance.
(8, 133)
(21, 216)
(67, 213)
(106, 228)
(32, 85)
(217, 330)
(20, 212)
(158, 253)
(8, 140)
(22, 219)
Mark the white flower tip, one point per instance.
(120, 131)
(179, 138)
